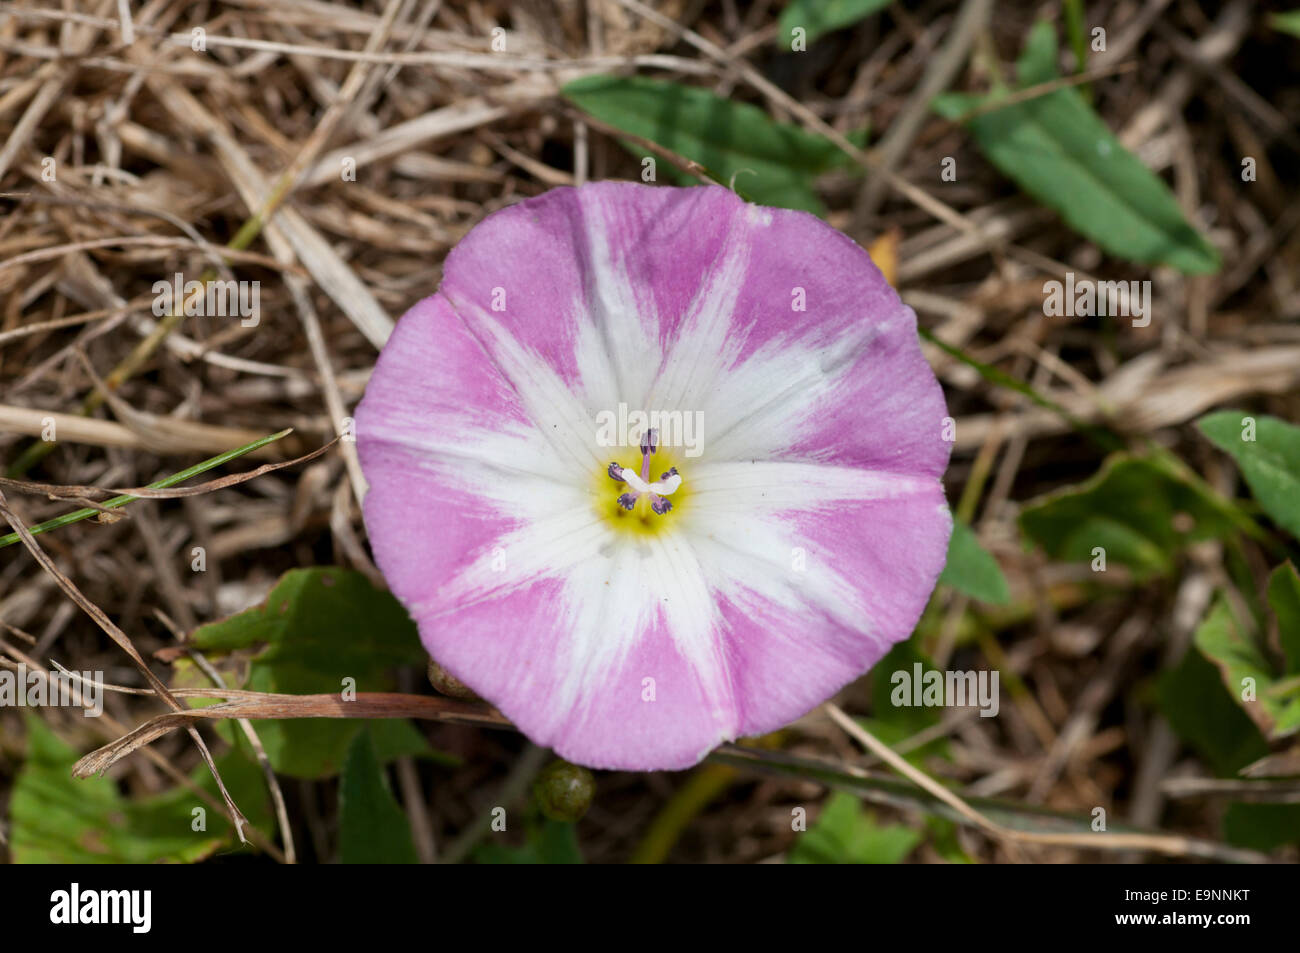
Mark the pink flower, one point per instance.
(633, 598)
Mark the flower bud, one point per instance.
(564, 791)
(449, 684)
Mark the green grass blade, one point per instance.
(77, 516)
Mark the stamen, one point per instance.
(640, 485)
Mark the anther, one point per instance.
(649, 441)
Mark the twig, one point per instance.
(970, 20)
(55, 492)
(1170, 844)
(175, 478)
(255, 705)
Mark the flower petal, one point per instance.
(817, 571)
(453, 458)
(580, 278)
(612, 662)
(771, 379)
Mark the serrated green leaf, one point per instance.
(818, 17)
(372, 827)
(972, 570)
(845, 833)
(316, 628)
(1059, 150)
(57, 819)
(772, 163)
(1270, 462)
(1134, 509)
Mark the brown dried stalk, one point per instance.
(268, 705)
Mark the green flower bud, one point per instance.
(449, 684)
(564, 791)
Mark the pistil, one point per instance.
(639, 484)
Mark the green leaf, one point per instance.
(56, 819)
(892, 723)
(894, 731)
(372, 827)
(1284, 598)
(549, 842)
(1200, 710)
(1288, 22)
(902, 657)
(1247, 672)
(1076, 33)
(1261, 826)
(943, 838)
(818, 17)
(1140, 510)
(772, 163)
(972, 570)
(1198, 707)
(1058, 150)
(316, 628)
(1270, 462)
(845, 833)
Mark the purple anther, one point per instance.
(616, 473)
(659, 504)
(672, 471)
(649, 441)
(627, 500)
